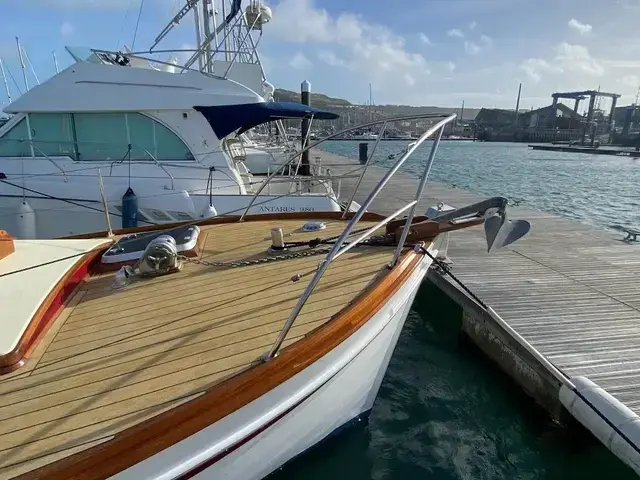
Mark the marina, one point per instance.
(207, 273)
(567, 300)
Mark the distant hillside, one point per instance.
(323, 101)
(319, 100)
(469, 113)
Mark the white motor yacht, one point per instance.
(171, 138)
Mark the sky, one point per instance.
(415, 52)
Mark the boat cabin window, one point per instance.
(107, 136)
(94, 137)
(52, 134)
(13, 144)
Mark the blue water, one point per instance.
(600, 190)
(445, 412)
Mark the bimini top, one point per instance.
(225, 119)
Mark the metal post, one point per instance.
(55, 61)
(104, 204)
(364, 169)
(24, 73)
(423, 183)
(518, 105)
(554, 110)
(206, 23)
(614, 101)
(305, 98)
(592, 101)
(196, 19)
(226, 32)
(347, 231)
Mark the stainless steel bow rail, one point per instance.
(338, 247)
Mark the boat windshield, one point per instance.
(85, 54)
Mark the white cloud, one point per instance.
(534, 67)
(455, 32)
(577, 58)
(330, 58)
(472, 25)
(471, 48)
(374, 51)
(72, 5)
(630, 81)
(486, 40)
(409, 79)
(568, 59)
(582, 28)
(66, 29)
(451, 66)
(299, 61)
(424, 39)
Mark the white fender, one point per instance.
(26, 221)
(626, 422)
(209, 212)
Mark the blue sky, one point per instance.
(420, 52)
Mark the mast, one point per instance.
(55, 61)
(226, 33)
(24, 73)
(4, 78)
(462, 111)
(518, 104)
(206, 22)
(30, 66)
(370, 104)
(196, 18)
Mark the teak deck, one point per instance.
(114, 358)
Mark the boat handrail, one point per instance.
(338, 249)
(34, 145)
(153, 159)
(293, 157)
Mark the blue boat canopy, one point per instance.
(225, 119)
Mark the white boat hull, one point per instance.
(56, 218)
(265, 434)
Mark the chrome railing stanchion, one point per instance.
(419, 191)
(438, 127)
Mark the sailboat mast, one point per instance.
(24, 73)
(33, 71)
(196, 19)
(370, 104)
(55, 61)
(4, 78)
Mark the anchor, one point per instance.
(499, 230)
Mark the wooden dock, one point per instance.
(570, 290)
(617, 152)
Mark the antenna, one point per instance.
(637, 95)
(4, 78)
(24, 73)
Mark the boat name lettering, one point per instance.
(283, 209)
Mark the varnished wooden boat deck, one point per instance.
(117, 357)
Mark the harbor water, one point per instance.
(600, 190)
(444, 411)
